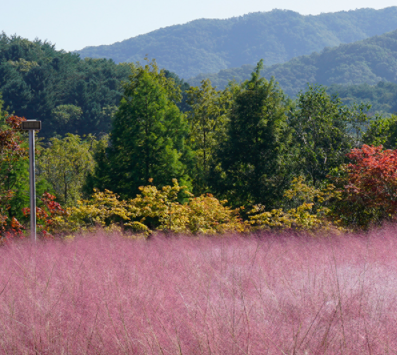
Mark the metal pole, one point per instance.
(32, 186)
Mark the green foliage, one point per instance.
(148, 137)
(13, 156)
(184, 87)
(208, 46)
(21, 187)
(324, 131)
(100, 177)
(252, 161)
(382, 131)
(67, 93)
(66, 117)
(382, 96)
(65, 165)
(14, 172)
(208, 120)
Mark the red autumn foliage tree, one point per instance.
(45, 215)
(11, 152)
(369, 187)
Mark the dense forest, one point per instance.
(364, 62)
(65, 92)
(210, 45)
(69, 94)
(382, 97)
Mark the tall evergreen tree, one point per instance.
(252, 160)
(147, 140)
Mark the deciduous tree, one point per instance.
(13, 155)
(207, 121)
(65, 164)
(324, 131)
(369, 186)
(382, 131)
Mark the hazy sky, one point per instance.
(74, 24)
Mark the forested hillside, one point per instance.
(67, 93)
(210, 45)
(369, 61)
(382, 96)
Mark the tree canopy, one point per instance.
(68, 94)
(252, 157)
(149, 134)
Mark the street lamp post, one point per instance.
(32, 126)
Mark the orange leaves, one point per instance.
(7, 232)
(15, 122)
(9, 139)
(15, 224)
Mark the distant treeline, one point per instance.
(382, 97)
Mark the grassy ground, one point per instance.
(103, 294)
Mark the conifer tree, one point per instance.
(147, 140)
(252, 160)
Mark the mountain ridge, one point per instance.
(369, 61)
(210, 45)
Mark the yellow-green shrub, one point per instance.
(160, 209)
(104, 209)
(208, 215)
(154, 209)
(312, 212)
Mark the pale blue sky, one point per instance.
(74, 24)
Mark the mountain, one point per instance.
(210, 45)
(369, 61)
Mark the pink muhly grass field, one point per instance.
(227, 295)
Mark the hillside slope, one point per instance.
(369, 61)
(205, 46)
(382, 96)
